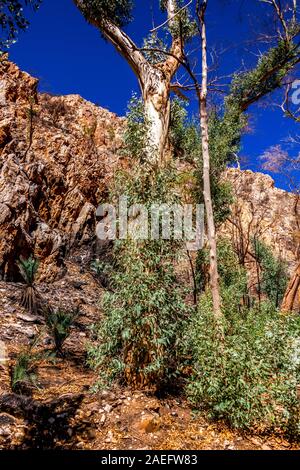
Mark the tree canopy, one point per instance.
(117, 11)
(12, 19)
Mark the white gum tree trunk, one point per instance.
(156, 96)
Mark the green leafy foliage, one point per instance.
(274, 272)
(12, 19)
(144, 312)
(135, 135)
(117, 11)
(30, 298)
(59, 323)
(248, 87)
(28, 269)
(233, 277)
(184, 133)
(222, 199)
(225, 137)
(23, 372)
(252, 381)
(153, 41)
(183, 24)
(144, 317)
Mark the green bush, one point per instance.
(143, 320)
(184, 133)
(138, 338)
(233, 277)
(274, 277)
(251, 381)
(23, 372)
(59, 323)
(28, 269)
(144, 312)
(30, 298)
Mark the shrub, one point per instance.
(28, 269)
(233, 277)
(184, 133)
(144, 318)
(59, 323)
(274, 272)
(144, 313)
(251, 380)
(30, 299)
(23, 375)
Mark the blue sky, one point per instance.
(69, 56)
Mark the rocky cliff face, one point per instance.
(270, 215)
(57, 157)
(262, 210)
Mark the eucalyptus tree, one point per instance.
(154, 74)
(220, 134)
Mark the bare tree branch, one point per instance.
(171, 17)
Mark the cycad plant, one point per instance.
(23, 373)
(59, 323)
(30, 299)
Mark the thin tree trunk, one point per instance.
(291, 299)
(211, 231)
(292, 292)
(195, 289)
(257, 268)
